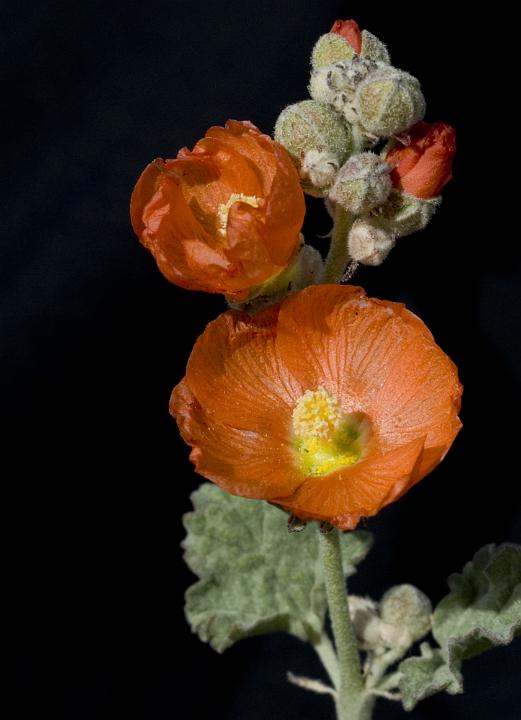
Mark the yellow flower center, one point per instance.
(326, 439)
(224, 209)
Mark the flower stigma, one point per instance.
(224, 209)
(324, 437)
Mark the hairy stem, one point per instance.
(381, 664)
(350, 703)
(338, 255)
(326, 652)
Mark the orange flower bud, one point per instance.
(424, 166)
(223, 217)
(350, 31)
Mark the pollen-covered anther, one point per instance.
(317, 414)
(224, 209)
(325, 438)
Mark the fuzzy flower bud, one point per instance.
(372, 633)
(362, 183)
(320, 168)
(364, 616)
(350, 31)
(331, 48)
(317, 140)
(336, 84)
(388, 102)
(406, 607)
(424, 166)
(369, 242)
(373, 48)
(344, 41)
(404, 214)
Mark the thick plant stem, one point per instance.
(351, 692)
(338, 256)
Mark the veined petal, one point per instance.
(347, 395)
(357, 491)
(236, 373)
(238, 193)
(265, 468)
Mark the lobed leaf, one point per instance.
(255, 577)
(482, 610)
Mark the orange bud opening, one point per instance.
(350, 31)
(424, 166)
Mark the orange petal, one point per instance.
(245, 463)
(424, 167)
(361, 490)
(285, 200)
(162, 220)
(421, 395)
(237, 375)
(335, 336)
(350, 31)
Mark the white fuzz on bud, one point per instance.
(320, 167)
(388, 102)
(312, 127)
(374, 48)
(369, 242)
(404, 214)
(362, 183)
(330, 48)
(406, 607)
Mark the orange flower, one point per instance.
(424, 166)
(350, 31)
(331, 405)
(223, 217)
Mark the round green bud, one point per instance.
(369, 242)
(311, 126)
(330, 48)
(389, 102)
(404, 606)
(373, 48)
(404, 214)
(362, 183)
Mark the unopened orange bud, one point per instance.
(424, 166)
(350, 31)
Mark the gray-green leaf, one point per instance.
(255, 577)
(482, 610)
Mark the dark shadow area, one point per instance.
(93, 339)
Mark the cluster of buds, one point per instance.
(361, 142)
(402, 617)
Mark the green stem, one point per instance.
(381, 664)
(350, 703)
(326, 652)
(338, 255)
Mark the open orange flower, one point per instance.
(331, 405)
(224, 217)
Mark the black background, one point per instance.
(94, 338)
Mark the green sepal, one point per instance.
(255, 577)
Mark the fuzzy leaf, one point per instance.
(482, 610)
(424, 676)
(255, 577)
